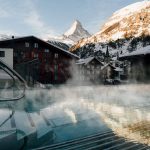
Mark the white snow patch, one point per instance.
(140, 51)
(127, 11)
(117, 35)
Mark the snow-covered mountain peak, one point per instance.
(75, 33)
(131, 21)
(76, 24)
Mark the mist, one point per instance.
(122, 108)
(119, 107)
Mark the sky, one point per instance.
(49, 18)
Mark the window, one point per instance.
(36, 55)
(2, 53)
(56, 72)
(47, 67)
(27, 44)
(117, 65)
(46, 60)
(56, 55)
(36, 45)
(46, 50)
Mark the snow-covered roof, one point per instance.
(108, 64)
(24, 37)
(141, 51)
(118, 69)
(86, 61)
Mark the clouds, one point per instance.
(4, 13)
(34, 20)
(23, 17)
(47, 18)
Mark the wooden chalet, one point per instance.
(107, 72)
(89, 68)
(37, 60)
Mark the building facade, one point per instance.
(138, 67)
(6, 55)
(89, 69)
(37, 60)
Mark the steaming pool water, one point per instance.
(64, 113)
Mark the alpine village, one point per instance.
(117, 54)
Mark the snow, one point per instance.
(108, 64)
(62, 39)
(132, 8)
(68, 41)
(118, 35)
(75, 33)
(125, 22)
(86, 61)
(127, 11)
(140, 51)
(118, 69)
(73, 28)
(4, 36)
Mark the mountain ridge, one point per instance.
(127, 24)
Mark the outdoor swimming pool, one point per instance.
(46, 117)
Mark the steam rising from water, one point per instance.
(120, 107)
(71, 114)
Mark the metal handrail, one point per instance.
(9, 117)
(9, 75)
(13, 73)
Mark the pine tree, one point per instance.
(107, 56)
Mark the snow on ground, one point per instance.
(127, 11)
(117, 35)
(140, 51)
